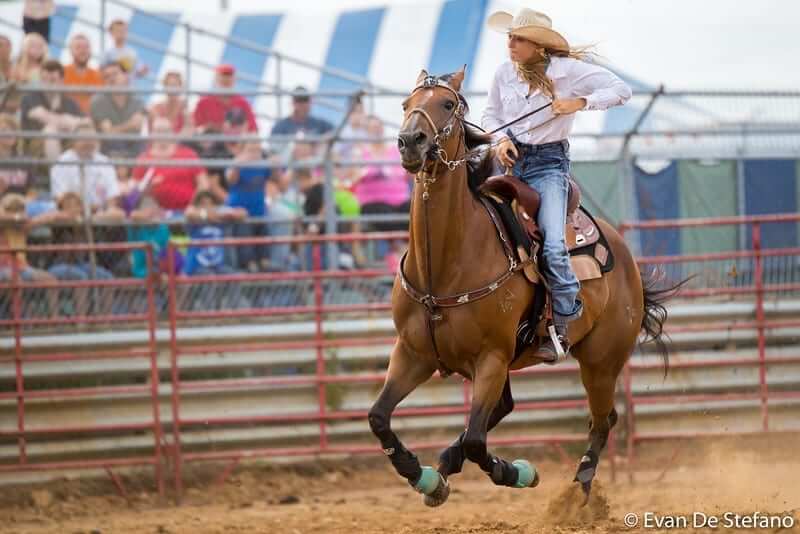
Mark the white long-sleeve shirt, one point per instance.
(572, 78)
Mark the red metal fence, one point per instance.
(758, 289)
(311, 292)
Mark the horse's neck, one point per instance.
(453, 229)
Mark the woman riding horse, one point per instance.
(544, 68)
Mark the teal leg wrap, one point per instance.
(428, 480)
(525, 473)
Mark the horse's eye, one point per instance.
(449, 105)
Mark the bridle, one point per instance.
(437, 151)
(431, 302)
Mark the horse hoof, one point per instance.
(439, 495)
(527, 475)
(429, 481)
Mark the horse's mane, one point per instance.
(479, 165)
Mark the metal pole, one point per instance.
(331, 248)
(316, 258)
(629, 184)
(150, 279)
(740, 202)
(88, 227)
(188, 54)
(20, 380)
(174, 372)
(102, 28)
(762, 365)
(330, 204)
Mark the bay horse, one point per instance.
(453, 247)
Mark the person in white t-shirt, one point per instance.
(544, 69)
(96, 182)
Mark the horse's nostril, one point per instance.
(401, 144)
(420, 138)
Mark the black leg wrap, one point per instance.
(587, 467)
(405, 462)
(502, 473)
(452, 458)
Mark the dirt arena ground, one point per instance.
(740, 476)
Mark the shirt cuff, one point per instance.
(591, 103)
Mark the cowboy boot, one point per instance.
(548, 352)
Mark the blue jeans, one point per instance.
(545, 168)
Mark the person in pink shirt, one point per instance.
(382, 188)
(209, 114)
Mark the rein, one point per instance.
(431, 302)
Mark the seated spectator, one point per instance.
(79, 265)
(118, 113)
(209, 113)
(301, 120)
(283, 208)
(247, 190)
(172, 187)
(122, 53)
(235, 124)
(79, 72)
(96, 182)
(380, 188)
(5, 59)
(13, 178)
(36, 17)
(206, 219)
(14, 228)
(174, 106)
(157, 234)
(50, 112)
(32, 56)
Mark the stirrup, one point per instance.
(561, 355)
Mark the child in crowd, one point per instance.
(247, 190)
(206, 220)
(14, 228)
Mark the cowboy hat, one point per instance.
(529, 24)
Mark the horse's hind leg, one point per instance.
(490, 377)
(404, 375)
(600, 384)
(452, 458)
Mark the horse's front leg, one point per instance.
(489, 382)
(405, 373)
(451, 460)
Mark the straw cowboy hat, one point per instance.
(529, 24)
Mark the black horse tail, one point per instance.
(655, 312)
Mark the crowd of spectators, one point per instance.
(260, 184)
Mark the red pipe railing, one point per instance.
(321, 379)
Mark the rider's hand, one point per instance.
(568, 105)
(506, 153)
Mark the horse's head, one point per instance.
(431, 114)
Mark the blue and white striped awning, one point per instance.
(385, 45)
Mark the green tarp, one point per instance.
(601, 183)
(708, 190)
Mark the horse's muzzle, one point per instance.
(412, 146)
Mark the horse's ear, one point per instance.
(458, 78)
(422, 75)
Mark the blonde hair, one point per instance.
(535, 71)
(24, 66)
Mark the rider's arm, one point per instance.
(600, 87)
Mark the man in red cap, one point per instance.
(209, 114)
